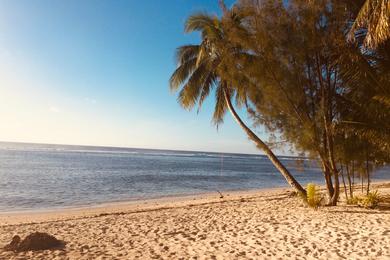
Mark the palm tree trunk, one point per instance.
(261, 145)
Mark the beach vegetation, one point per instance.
(353, 200)
(370, 200)
(374, 17)
(202, 70)
(314, 197)
(292, 67)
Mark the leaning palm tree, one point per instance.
(200, 71)
(375, 16)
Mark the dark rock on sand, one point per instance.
(33, 242)
(13, 246)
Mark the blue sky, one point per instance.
(96, 73)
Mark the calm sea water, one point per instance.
(40, 176)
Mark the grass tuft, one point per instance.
(369, 201)
(314, 197)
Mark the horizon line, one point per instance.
(127, 147)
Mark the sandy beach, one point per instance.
(267, 224)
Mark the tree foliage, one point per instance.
(290, 63)
(374, 17)
(201, 70)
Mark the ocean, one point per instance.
(42, 176)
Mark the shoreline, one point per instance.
(137, 200)
(141, 205)
(132, 201)
(131, 206)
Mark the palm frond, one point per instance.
(192, 89)
(180, 75)
(220, 104)
(375, 16)
(208, 84)
(185, 53)
(384, 100)
(207, 24)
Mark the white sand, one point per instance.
(253, 225)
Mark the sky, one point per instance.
(96, 72)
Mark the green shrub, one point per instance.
(353, 201)
(368, 201)
(371, 200)
(314, 197)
